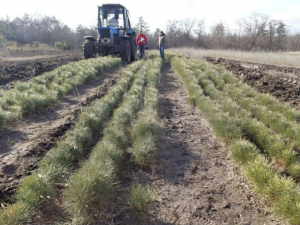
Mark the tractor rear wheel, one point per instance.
(125, 51)
(89, 49)
(133, 48)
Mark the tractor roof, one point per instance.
(112, 6)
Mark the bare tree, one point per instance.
(200, 32)
(174, 33)
(187, 26)
(254, 29)
(293, 42)
(232, 40)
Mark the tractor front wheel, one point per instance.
(125, 51)
(89, 49)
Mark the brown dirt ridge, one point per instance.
(281, 82)
(24, 69)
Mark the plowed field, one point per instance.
(281, 82)
(26, 68)
(194, 178)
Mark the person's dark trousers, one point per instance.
(162, 51)
(142, 51)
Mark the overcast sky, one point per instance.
(158, 12)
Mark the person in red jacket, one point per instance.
(141, 41)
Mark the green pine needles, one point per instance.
(28, 97)
(261, 133)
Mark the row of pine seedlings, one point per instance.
(133, 127)
(27, 97)
(56, 167)
(262, 134)
(88, 184)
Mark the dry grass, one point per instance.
(36, 57)
(12, 45)
(286, 59)
(13, 49)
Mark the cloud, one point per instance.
(290, 16)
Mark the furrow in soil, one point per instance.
(196, 181)
(23, 143)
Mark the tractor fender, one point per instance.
(90, 38)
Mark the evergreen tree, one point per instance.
(142, 25)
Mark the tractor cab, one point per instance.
(114, 16)
(115, 34)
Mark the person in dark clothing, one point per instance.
(161, 44)
(141, 41)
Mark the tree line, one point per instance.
(257, 32)
(31, 29)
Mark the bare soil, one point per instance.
(196, 181)
(26, 68)
(24, 143)
(281, 82)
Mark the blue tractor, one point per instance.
(115, 34)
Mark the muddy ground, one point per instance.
(23, 143)
(281, 82)
(25, 68)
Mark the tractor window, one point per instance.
(121, 18)
(111, 21)
(126, 19)
(129, 19)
